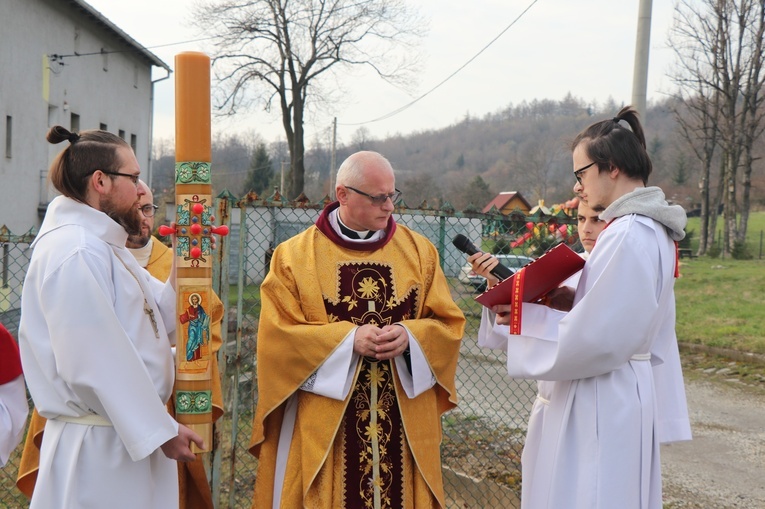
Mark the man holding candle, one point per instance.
(357, 352)
(157, 258)
(95, 338)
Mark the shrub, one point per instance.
(686, 242)
(741, 251)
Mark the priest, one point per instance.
(357, 352)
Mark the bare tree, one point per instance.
(533, 165)
(720, 49)
(281, 50)
(697, 109)
(360, 139)
(753, 99)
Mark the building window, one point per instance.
(122, 133)
(74, 123)
(133, 141)
(102, 126)
(8, 135)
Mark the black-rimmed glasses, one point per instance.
(132, 177)
(379, 199)
(149, 209)
(578, 173)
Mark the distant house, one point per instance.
(64, 63)
(540, 208)
(507, 202)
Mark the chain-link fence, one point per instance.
(483, 436)
(14, 264)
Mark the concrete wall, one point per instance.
(38, 90)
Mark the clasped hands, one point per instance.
(380, 343)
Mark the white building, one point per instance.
(64, 63)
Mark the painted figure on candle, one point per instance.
(198, 328)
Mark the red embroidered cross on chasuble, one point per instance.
(374, 451)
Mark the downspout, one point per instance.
(150, 166)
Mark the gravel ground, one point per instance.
(724, 465)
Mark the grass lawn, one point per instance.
(720, 303)
(720, 300)
(755, 238)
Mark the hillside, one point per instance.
(523, 148)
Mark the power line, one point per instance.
(56, 57)
(407, 106)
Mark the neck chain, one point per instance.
(146, 307)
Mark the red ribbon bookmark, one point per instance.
(516, 303)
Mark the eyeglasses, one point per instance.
(149, 209)
(379, 199)
(578, 173)
(132, 177)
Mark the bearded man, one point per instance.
(95, 337)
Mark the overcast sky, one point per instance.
(583, 47)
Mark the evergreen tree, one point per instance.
(680, 175)
(261, 171)
(478, 192)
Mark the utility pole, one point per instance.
(642, 47)
(333, 159)
(281, 189)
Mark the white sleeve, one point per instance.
(14, 409)
(421, 378)
(491, 335)
(334, 377)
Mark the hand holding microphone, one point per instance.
(463, 244)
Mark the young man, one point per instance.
(588, 226)
(94, 340)
(357, 353)
(594, 432)
(155, 257)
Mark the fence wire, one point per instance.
(13, 268)
(483, 436)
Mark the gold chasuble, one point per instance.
(378, 448)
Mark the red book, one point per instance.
(10, 362)
(535, 279)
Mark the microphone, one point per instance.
(463, 244)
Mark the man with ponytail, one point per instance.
(95, 337)
(611, 385)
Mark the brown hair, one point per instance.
(87, 152)
(608, 143)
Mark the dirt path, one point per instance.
(724, 465)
